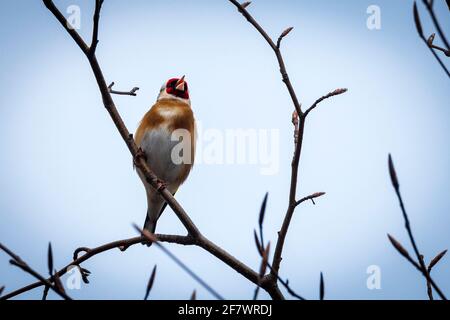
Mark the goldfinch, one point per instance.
(166, 136)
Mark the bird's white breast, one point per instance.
(158, 146)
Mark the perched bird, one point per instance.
(166, 136)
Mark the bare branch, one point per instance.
(18, 262)
(310, 197)
(421, 266)
(94, 42)
(132, 92)
(421, 35)
(66, 25)
(194, 237)
(436, 23)
(328, 95)
(89, 253)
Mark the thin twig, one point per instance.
(406, 255)
(430, 9)
(431, 44)
(396, 185)
(422, 36)
(328, 95)
(310, 197)
(96, 18)
(132, 92)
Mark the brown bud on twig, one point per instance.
(339, 91)
(317, 194)
(295, 118)
(393, 173)
(282, 35)
(194, 295)
(398, 246)
(322, 287)
(431, 39)
(150, 282)
(50, 259)
(262, 211)
(295, 123)
(286, 32)
(245, 4)
(417, 20)
(436, 259)
(84, 274)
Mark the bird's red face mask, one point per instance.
(178, 87)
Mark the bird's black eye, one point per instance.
(173, 83)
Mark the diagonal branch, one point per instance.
(108, 103)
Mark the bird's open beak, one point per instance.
(180, 84)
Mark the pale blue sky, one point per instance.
(66, 176)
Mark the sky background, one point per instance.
(66, 175)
